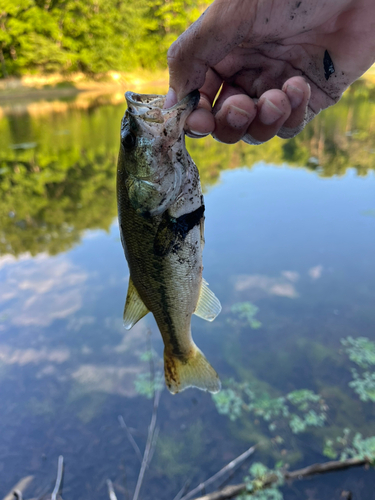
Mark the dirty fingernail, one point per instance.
(295, 95)
(269, 113)
(171, 98)
(237, 117)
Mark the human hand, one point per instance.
(296, 56)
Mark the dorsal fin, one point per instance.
(208, 306)
(134, 309)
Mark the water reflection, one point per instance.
(53, 191)
(40, 290)
(289, 250)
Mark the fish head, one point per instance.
(152, 164)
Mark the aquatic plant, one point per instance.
(269, 408)
(228, 402)
(244, 313)
(350, 446)
(301, 398)
(152, 379)
(300, 409)
(364, 385)
(257, 483)
(361, 448)
(361, 351)
(145, 386)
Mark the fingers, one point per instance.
(299, 93)
(202, 122)
(236, 116)
(273, 110)
(233, 115)
(281, 113)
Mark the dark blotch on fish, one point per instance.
(172, 230)
(329, 68)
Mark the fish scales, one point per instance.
(161, 218)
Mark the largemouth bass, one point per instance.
(161, 217)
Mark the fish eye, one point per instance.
(129, 141)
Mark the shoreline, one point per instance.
(41, 94)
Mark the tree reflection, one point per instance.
(57, 172)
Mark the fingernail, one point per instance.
(170, 99)
(195, 134)
(295, 95)
(237, 117)
(269, 113)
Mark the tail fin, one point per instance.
(196, 371)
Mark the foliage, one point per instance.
(152, 379)
(244, 313)
(364, 385)
(145, 386)
(256, 484)
(90, 35)
(350, 446)
(361, 448)
(63, 184)
(299, 410)
(361, 351)
(228, 402)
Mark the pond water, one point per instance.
(290, 246)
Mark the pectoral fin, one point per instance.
(208, 306)
(134, 309)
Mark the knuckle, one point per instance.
(175, 53)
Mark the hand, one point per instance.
(296, 56)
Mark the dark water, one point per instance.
(290, 230)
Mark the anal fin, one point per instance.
(208, 306)
(134, 309)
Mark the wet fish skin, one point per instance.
(161, 218)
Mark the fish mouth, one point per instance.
(149, 107)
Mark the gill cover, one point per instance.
(154, 151)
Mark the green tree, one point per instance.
(93, 36)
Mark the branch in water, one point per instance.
(60, 470)
(130, 438)
(237, 489)
(150, 440)
(228, 468)
(111, 491)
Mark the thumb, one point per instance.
(205, 43)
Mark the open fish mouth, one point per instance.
(149, 107)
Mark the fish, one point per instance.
(161, 221)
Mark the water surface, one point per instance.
(290, 245)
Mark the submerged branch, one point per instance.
(130, 438)
(111, 491)
(236, 489)
(228, 468)
(182, 491)
(150, 439)
(60, 470)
